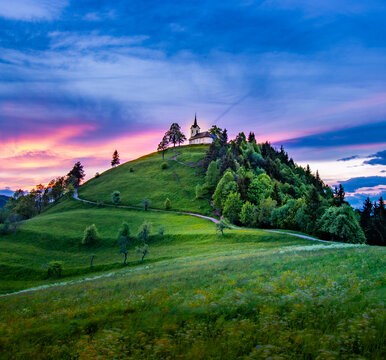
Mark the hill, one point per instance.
(249, 294)
(145, 178)
(3, 200)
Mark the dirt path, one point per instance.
(214, 220)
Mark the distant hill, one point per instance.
(3, 200)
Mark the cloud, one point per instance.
(353, 184)
(31, 10)
(349, 158)
(378, 159)
(362, 135)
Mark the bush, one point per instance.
(97, 175)
(54, 269)
(164, 165)
(116, 197)
(131, 170)
(168, 205)
(90, 236)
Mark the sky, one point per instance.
(79, 79)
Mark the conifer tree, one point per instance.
(251, 137)
(115, 161)
(76, 174)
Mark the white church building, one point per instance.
(197, 137)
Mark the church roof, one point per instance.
(202, 135)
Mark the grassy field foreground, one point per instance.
(300, 301)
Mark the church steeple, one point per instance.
(194, 129)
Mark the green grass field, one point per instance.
(149, 181)
(249, 294)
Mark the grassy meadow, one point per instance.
(249, 294)
(145, 179)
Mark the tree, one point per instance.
(339, 195)
(248, 214)
(123, 240)
(144, 232)
(265, 211)
(57, 188)
(76, 174)
(212, 176)
(174, 135)
(90, 235)
(115, 161)
(224, 138)
(116, 197)
(143, 250)
(163, 145)
(342, 224)
(260, 188)
(216, 131)
(221, 226)
(276, 194)
(232, 207)
(226, 185)
(167, 204)
(70, 191)
(251, 137)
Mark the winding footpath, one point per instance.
(214, 220)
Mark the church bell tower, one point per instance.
(194, 129)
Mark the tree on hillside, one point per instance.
(248, 214)
(212, 176)
(224, 138)
(232, 207)
(76, 174)
(339, 195)
(144, 232)
(215, 131)
(123, 240)
(174, 135)
(57, 188)
(221, 226)
(115, 161)
(163, 145)
(342, 224)
(251, 137)
(116, 197)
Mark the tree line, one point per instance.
(256, 185)
(26, 204)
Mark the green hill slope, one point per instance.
(145, 179)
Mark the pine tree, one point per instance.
(251, 137)
(76, 174)
(115, 161)
(276, 194)
(224, 138)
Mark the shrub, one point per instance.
(164, 165)
(131, 170)
(97, 174)
(54, 269)
(4, 228)
(116, 197)
(168, 205)
(90, 236)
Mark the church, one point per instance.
(197, 137)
